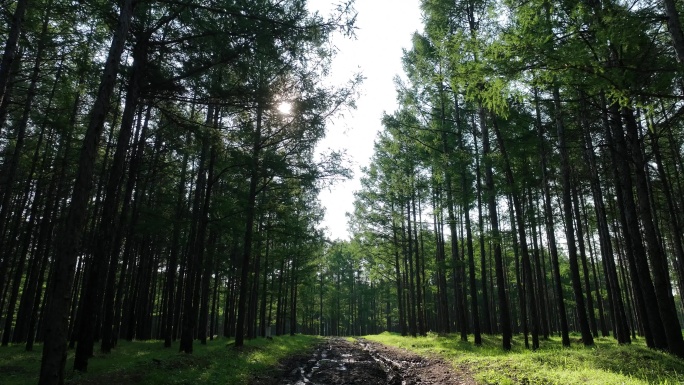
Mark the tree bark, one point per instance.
(249, 227)
(504, 312)
(644, 292)
(486, 318)
(583, 258)
(195, 247)
(605, 243)
(397, 269)
(54, 348)
(10, 53)
(550, 231)
(528, 286)
(656, 254)
(675, 27)
(587, 337)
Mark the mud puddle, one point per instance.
(338, 361)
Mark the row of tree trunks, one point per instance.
(94, 244)
(54, 349)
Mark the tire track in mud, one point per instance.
(338, 361)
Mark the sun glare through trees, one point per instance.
(285, 108)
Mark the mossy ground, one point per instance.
(605, 363)
(149, 363)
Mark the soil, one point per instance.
(338, 361)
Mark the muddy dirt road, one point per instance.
(338, 361)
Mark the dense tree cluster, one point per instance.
(531, 179)
(152, 184)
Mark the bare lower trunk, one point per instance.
(68, 246)
(656, 254)
(504, 312)
(550, 231)
(249, 230)
(585, 329)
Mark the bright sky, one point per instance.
(384, 28)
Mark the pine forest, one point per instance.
(159, 176)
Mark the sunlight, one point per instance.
(285, 108)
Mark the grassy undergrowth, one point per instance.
(149, 363)
(605, 363)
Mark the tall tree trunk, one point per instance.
(204, 314)
(675, 27)
(54, 348)
(644, 292)
(58, 194)
(105, 262)
(456, 261)
(195, 251)
(43, 203)
(471, 267)
(293, 296)
(10, 173)
(125, 228)
(587, 337)
(443, 304)
(413, 330)
(486, 318)
(675, 225)
(519, 279)
(539, 276)
(504, 312)
(605, 243)
(397, 270)
(591, 246)
(175, 249)
(583, 258)
(528, 279)
(10, 167)
(420, 307)
(262, 311)
(656, 254)
(10, 52)
(249, 227)
(550, 231)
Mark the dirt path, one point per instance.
(338, 361)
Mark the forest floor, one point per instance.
(338, 361)
(604, 363)
(384, 359)
(149, 363)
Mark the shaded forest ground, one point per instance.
(149, 363)
(219, 363)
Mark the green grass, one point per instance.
(605, 363)
(149, 363)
